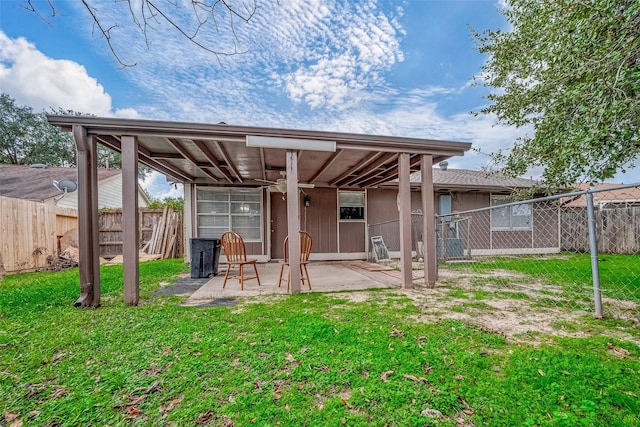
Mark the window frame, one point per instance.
(507, 199)
(363, 206)
(228, 211)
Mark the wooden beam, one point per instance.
(130, 225)
(187, 155)
(404, 202)
(372, 169)
(428, 222)
(390, 174)
(166, 156)
(293, 220)
(228, 161)
(212, 159)
(263, 164)
(143, 156)
(356, 168)
(326, 165)
(87, 219)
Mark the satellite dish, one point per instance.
(65, 185)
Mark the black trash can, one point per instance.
(205, 254)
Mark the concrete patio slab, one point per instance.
(325, 277)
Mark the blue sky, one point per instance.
(382, 67)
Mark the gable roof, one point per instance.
(470, 180)
(629, 196)
(36, 184)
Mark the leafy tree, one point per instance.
(27, 137)
(174, 203)
(570, 70)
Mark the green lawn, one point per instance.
(619, 274)
(313, 359)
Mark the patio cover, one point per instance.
(218, 155)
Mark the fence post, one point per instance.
(593, 248)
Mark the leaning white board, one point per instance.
(379, 249)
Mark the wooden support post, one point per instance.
(130, 224)
(87, 219)
(404, 204)
(428, 222)
(293, 220)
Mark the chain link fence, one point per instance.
(579, 252)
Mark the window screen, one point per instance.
(222, 209)
(351, 205)
(510, 217)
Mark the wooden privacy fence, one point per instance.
(30, 233)
(617, 230)
(160, 232)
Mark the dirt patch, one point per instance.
(521, 309)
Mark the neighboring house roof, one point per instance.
(624, 196)
(467, 180)
(36, 184)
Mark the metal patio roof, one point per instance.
(217, 154)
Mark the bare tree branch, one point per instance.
(151, 13)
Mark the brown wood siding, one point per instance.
(382, 205)
(545, 227)
(480, 221)
(321, 218)
(352, 237)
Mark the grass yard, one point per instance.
(619, 274)
(312, 359)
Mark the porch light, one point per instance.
(290, 143)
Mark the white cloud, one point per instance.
(156, 184)
(34, 79)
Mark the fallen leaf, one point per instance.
(133, 411)
(564, 371)
(287, 407)
(235, 362)
(396, 333)
(35, 389)
(16, 423)
(427, 368)
(344, 421)
(414, 378)
(167, 351)
(253, 344)
(304, 350)
(34, 414)
(253, 420)
(619, 352)
(459, 377)
(386, 375)
(277, 394)
(289, 358)
(541, 372)
(205, 417)
(447, 361)
(59, 392)
(347, 404)
(431, 413)
(10, 416)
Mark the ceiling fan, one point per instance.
(281, 183)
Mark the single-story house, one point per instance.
(467, 226)
(241, 178)
(41, 183)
